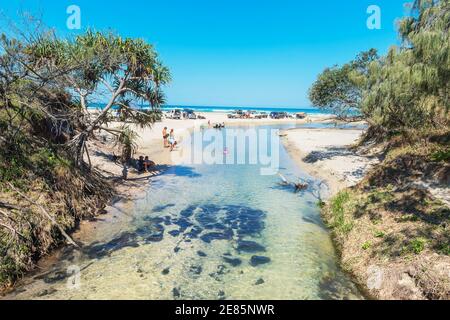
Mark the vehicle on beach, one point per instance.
(278, 115)
(250, 114)
(189, 114)
(175, 114)
(237, 114)
(261, 115)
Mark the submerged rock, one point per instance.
(194, 233)
(233, 261)
(259, 281)
(176, 293)
(188, 212)
(201, 254)
(155, 220)
(156, 237)
(258, 260)
(152, 233)
(166, 271)
(183, 223)
(55, 277)
(250, 246)
(46, 292)
(99, 250)
(221, 270)
(167, 221)
(208, 237)
(174, 233)
(162, 208)
(196, 269)
(223, 222)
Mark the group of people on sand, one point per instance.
(144, 164)
(169, 139)
(216, 125)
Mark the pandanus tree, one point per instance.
(126, 71)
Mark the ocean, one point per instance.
(308, 110)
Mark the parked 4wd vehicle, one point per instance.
(237, 114)
(175, 114)
(278, 115)
(189, 114)
(261, 115)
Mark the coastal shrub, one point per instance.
(379, 234)
(404, 92)
(338, 207)
(442, 155)
(445, 249)
(417, 245)
(380, 196)
(321, 204)
(366, 245)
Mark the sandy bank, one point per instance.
(326, 154)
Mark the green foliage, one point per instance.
(127, 140)
(11, 170)
(366, 245)
(339, 89)
(379, 234)
(46, 86)
(417, 245)
(445, 249)
(321, 204)
(380, 196)
(442, 155)
(89, 65)
(408, 89)
(338, 209)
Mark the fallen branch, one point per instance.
(12, 230)
(45, 213)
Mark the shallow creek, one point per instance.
(204, 232)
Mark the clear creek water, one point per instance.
(205, 232)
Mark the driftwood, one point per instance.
(298, 186)
(45, 213)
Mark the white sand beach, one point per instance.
(323, 153)
(326, 154)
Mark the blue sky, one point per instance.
(261, 53)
